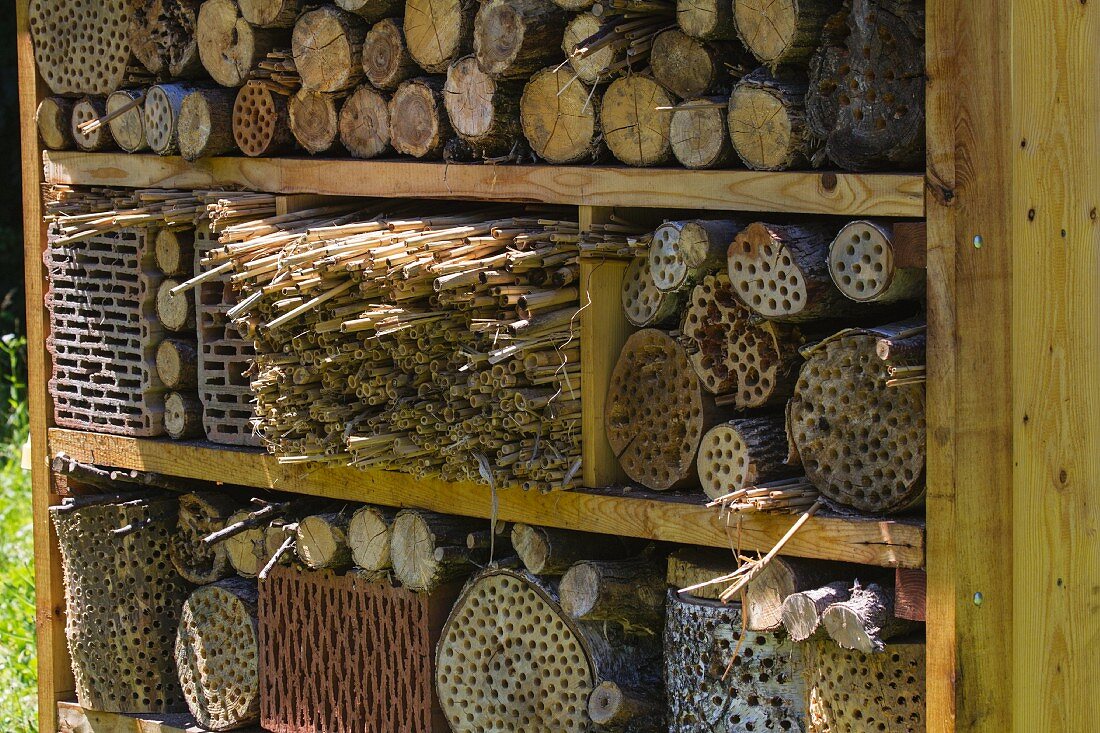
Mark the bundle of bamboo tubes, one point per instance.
(787, 496)
(277, 72)
(438, 346)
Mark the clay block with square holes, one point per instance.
(340, 654)
(103, 334)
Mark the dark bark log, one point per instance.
(206, 123)
(767, 122)
(483, 112)
(802, 611)
(628, 592)
(177, 363)
(548, 551)
(744, 452)
(55, 118)
(782, 33)
(182, 416)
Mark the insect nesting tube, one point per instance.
(643, 304)
(862, 443)
(86, 110)
(864, 265)
(657, 411)
(744, 452)
(261, 122)
(683, 252)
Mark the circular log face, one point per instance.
(436, 31)
(760, 128)
(636, 116)
(314, 120)
(226, 42)
(81, 48)
(580, 29)
(415, 117)
(766, 27)
(498, 35)
(861, 442)
(385, 56)
(558, 114)
(861, 261)
(643, 303)
(369, 538)
(683, 64)
(128, 129)
(509, 660)
(468, 97)
(326, 54)
(54, 120)
(365, 123)
(699, 135)
(86, 110)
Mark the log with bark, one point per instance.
(127, 119)
(322, 541)
(515, 38)
(700, 135)
(365, 123)
(429, 549)
(176, 312)
(742, 453)
(315, 120)
(767, 122)
(183, 416)
(174, 250)
(438, 31)
(372, 11)
(205, 124)
(866, 619)
(560, 117)
(245, 549)
(386, 58)
(690, 566)
(163, 38)
(270, 13)
(162, 110)
(684, 252)
(688, 67)
(782, 33)
(782, 577)
(54, 119)
(710, 20)
(627, 592)
(201, 513)
(261, 121)
(802, 611)
(229, 46)
(865, 267)
(547, 551)
(616, 709)
(369, 534)
(418, 121)
(91, 140)
(636, 116)
(644, 304)
(328, 49)
(482, 111)
(177, 363)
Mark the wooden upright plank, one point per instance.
(631, 512)
(1055, 320)
(848, 194)
(55, 679)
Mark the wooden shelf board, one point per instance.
(847, 194)
(74, 719)
(630, 512)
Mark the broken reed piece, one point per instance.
(270, 13)
(201, 513)
(217, 655)
(429, 549)
(801, 612)
(261, 121)
(372, 10)
(709, 20)
(177, 363)
(515, 38)
(126, 117)
(749, 362)
(418, 121)
(205, 123)
(783, 33)
(687, 66)
(369, 534)
(174, 250)
(175, 312)
(560, 117)
(95, 139)
(549, 551)
(643, 303)
(183, 416)
(689, 566)
(864, 265)
(630, 593)
(438, 31)
(866, 619)
(315, 120)
(742, 453)
(782, 272)
(601, 47)
(482, 111)
(229, 46)
(636, 116)
(386, 58)
(699, 134)
(862, 444)
(683, 252)
(657, 411)
(866, 98)
(767, 122)
(162, 37)
(54, 118)
(81, 50)
(322, 541)
(364, 124)
(328, 49)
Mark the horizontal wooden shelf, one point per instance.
(72, 718)
(629, 512)
(846, 194)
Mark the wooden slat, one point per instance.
(1053, 219)
(74, 719)
(633, 513)
(849, 194)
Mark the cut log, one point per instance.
(54, 118)
(560, 117)
(744, 452)
(174, 251)
(128, 128)
(183, 416)
(693, 565)
(688, 67)
(270, 13)
(206, 123)
(636, 116)
(246, 549)
(229, 46)
(684, 252)
(710, 20)
(86, 110)
(261, 121)
(699, 134)
(428, 549)
(903, 350)
(630, 593)
(782, 272)
(438, 31)
(780, 578)
(177, 364)
(910, 591)
(418, 121)
(162, 111)
(386, 58)
(785, 32)
(276, 535)
(546, 551)
(483, 112)
(591, 66)
(175, 312)
(657, 447)
(865, 620)
(200, 514)
(365, 123)
(322, 541)
(372, 11)
(643, 304)
(217, 655)
(315, 120)
(163, 38)
(863, 266)
(81, 48)
(866, 92)
(802, 611)
(515, 38)
(767, 122)
(328, 49)
(369, 534)
(618, 710)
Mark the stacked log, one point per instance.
(315, 120)
(560, 117)
(127, 119)
(428, 550)
(386, 58)
(545, 551)
(205, 123)
(865, 264)
(482, 111)
(513, 39)
(438, 31)
(201, 513)
(163, 38)
(270, 13)
(418, 121)
(87, 137)
(322, 541)
(328, 49)
(699, 133)
(229, 46)
(767, 122)
(782, 34)
(54, 120)
(370, 531)
(365, 123)
(744, 453)
(636, 116)
(261, 121)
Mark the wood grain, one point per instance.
(74, 719)
(629, 512)
(849, 194)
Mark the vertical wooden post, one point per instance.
(55, 679)
(300, 202)
(604, 329)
